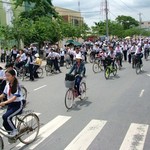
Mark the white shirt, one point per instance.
(18, 93)
(2, 73)
(118, 50)
(23, 57)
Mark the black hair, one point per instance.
(9, 65)
(15, 83)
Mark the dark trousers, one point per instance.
(3, 58)
(130, 56)
(77, 84)
(31, 70)
(13, 109)
(62, 61)
(125, 55)
(35, 71)
(56, 65)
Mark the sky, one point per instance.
(93, 10)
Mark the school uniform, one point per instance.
(13, 109)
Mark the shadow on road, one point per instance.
(80, 104)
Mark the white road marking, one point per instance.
(47, 130)
(86, 136)
(39, 87)
(135, 137)
(148, 75)
(142, 92)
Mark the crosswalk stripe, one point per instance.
(87, 135)
(135, 137)
(47, 130)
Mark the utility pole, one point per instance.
(79, 6)
(106, 11)
(140, 19)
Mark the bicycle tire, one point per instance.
(96, 67)
(48, 68)
(23, 74)
(115, 70)
(83, 90)
(138, 68)
(107, 73)
(69, 97)
(1, 143)
(40, 72)
(24, 128)
(24, 92)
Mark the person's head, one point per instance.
(77, 49)
(11, 78)
(78, 58)
(21, 51)
(15, 47)
(9, 66)
(111, 48)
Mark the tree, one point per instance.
(127, 22)
(37, 8)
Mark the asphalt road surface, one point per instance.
(115, 115)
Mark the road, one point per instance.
(115, 115)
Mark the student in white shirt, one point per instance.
(14, 102)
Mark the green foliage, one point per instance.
(122, 27)
(127, 22)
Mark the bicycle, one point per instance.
(118, 59)
(146, 53)
(97, 66)
(68, 64)
(24, 92)
(49, 67)
(28, 127)
(110, 69)
(138, 66)
(71, 93)
(26, 73)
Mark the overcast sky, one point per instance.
(93, 10)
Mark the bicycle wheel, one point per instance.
(68, 65)
(40, 72)
(48, 68)
(69, 98)
(1, 143)
(96, 67)
(83, 90)
(24, 92)
(138, 68)
(107, 73)
(115, 70)
(23, 74)
(28, 128)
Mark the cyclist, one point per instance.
(146, 48)
(139, 54)
(37, 64)
(118, 53)
(29, 64)
(14, 101)
(132, 51)
(78, 69)
(111, 56)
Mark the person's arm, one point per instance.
(2, 96)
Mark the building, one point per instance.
(145, 25)
(70, 16)
(8, 12)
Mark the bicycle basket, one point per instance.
(69, 84)
(69, 77)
